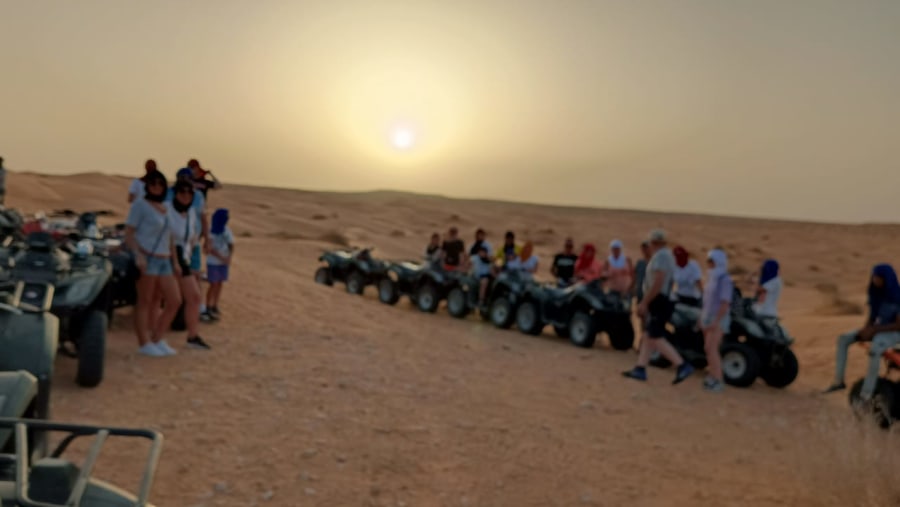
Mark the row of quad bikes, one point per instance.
(755, 348)
(49, 296)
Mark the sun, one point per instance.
(403, 138)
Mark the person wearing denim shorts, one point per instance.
(715, 315)
(221, 250)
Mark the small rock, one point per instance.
(281, 395)
(309, 453)
(341, 458)
(374, 491)
(221, 487)
(586, 498)
(309, 491)
(586, 405)
(505, 347)
(186, 375)
(268, 495)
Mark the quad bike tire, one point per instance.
(457, 303)
(582, 330)
(388, 292)
(528, 319)
(561, 331)
(427, 299)
(502, 313)
(621, 332)
(356, 283)
(323, 277)
(91, 349)
(740, 364)
(885, 410)
(781, 372)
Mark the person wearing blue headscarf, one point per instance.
(768, 290)
(218, 260)
(882, 328)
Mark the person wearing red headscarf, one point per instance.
(587, 267)
(688, 278)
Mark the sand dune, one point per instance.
(315, 397)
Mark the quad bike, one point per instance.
(462, 298)
(400, 279)
(77, 289)
(32, 476)
(885, 404)
(505, 295)
(755, 346)
(431, 285)
(28, 342)
(355, 268)
(579, 312)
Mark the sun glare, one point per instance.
(403, 138)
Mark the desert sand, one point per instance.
(314, 397)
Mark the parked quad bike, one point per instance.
(76, 288)
(426, 286)
(884, 407)
(505, 295)
(33, 476)
(356, 268)
(755, 347)
(400, 279)
(579, 312)
(462, 298)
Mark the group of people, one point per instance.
(168, 231)
(661, 278)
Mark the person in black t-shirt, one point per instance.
(563, 267)
(453, 249)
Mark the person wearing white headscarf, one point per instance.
(715, 316)
(618, 268)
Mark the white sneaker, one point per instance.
(150, 349)
(166, 348)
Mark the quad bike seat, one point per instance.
(17, 390)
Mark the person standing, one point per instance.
(768, 290)
(218, 262)
(715, 316)
(563, 267)
(136, 189)
(656, 309)
(200, 181)
(640, 269)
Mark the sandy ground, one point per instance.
(315, 397)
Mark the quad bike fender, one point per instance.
(34, 337)
(83, 289)
(751, 328)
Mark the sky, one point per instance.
(781, 109)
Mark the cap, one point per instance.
(656, 236)
(615, 244)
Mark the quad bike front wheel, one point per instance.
(388, 292)
(740, 364)
(457, 304)
(91, 348)
(781, 370)
(883, 406)
(427, 298)
(356, 283)
(323, 277)
(528, 319)
(582, 330)
(621, 332)
(502, 313)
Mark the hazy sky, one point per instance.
(768, 108)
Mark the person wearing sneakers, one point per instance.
(882, 328)
(148, 235)
(715, 316)
(221, 251)
(186, 231)
(655, 309)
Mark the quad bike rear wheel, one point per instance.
(780, 371)
(427, 298)
(621, 332)
(740, 364)
(528, 319)
(91, 348)
(388, 292)
(883, 406)
(502, 313)
(356, 283)
(582, 330)
(323, 277)
(457, 304)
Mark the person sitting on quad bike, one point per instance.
(882, 328)
(688, 278)
(587, 268)
(480, 241)
(715, 316)
(482, 270)
(563, 268)
(526, 263)
(768, 290)
(452, 251)
(509, 251)
(433, 250)
(617, 269)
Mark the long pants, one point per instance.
(880, 344)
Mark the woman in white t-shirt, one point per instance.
(688, 278)
(136, 189)
(769, 290)
(526, 262)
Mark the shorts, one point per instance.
(724, 325)
(196, 261)
(216, 273)
(659, 311)
(158, 266)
